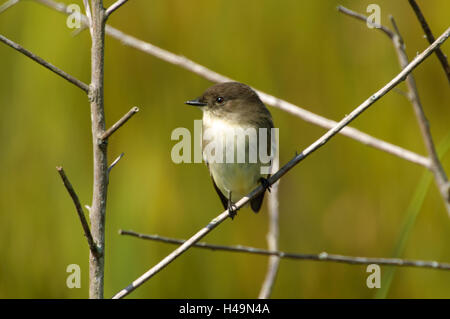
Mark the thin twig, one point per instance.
(441, 56)
(413, 96)
(45, 64)
(87, 232)
(272, 238)
(116, 5)
(295, 110)
(297, 159)
(87, 8)
(361, 17)
(119, 123)
(323, 256)
(115, 162)
(8, 4)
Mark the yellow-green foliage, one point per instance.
(346, 199)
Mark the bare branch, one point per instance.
(323, 256)
(116, 5)
(115, 162)
(297, 159)
(119, 123)
(100, 167)
(44, 63)
(208, 74)
(361, 17)
(413, 96)
(441, 56)
(272, 238)
(8, 4)
(87, 232)
(87, 8)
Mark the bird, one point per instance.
(235, 124)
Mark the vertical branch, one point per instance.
(98, 207)
(413, 96)
(272, 238)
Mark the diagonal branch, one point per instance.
(208, 74)
(413, 96)
(287, 167)
(8, 4)
(323, 256)
(116, 5)
(119, 123)
(44, 63)
(76, 201)
(441, 56)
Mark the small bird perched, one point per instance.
(232, 112)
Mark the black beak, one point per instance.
(196, 102)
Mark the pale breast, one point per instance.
(228, 156)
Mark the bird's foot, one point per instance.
(265, 183)
(232, 208)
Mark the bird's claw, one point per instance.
(232, 209)
(265, 183)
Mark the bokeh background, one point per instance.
(347, 198)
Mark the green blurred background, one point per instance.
(347, 198)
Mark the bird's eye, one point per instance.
(219, 99)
